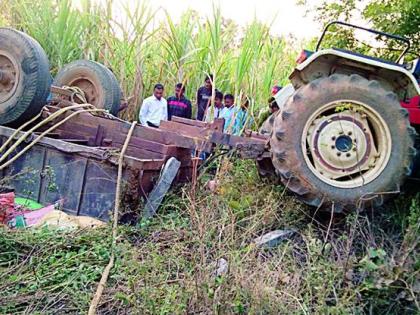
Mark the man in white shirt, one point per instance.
(154, 108)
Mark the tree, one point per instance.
(399, 17)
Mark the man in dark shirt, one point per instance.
(179, 105)
(204, 97)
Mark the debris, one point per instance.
(7, 206)
(274, 238)
(28, 203)
(29, 218)
(166, 178)
(220, 267)
(63, 220)
(212, 185)
(21, 217)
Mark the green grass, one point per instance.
(366, 263)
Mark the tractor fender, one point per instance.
(323, 63)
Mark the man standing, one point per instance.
(204, 97)
(242, 118)
(179, 105)
(227, 112)
(154, 108)
(213, 113)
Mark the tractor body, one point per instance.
(346, 136)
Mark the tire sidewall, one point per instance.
(107, 83)
(326, 90)
(33, 87)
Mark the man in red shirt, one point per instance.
(179, 105)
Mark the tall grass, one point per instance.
(141, 51)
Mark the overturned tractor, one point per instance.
(347, 134)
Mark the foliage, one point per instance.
(399, 17)
(142, 51)
(166, 265)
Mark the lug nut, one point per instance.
(333, 138)
(348, 154)
(333, 147)
(338, 153)
(349, 133)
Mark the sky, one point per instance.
(286, 16)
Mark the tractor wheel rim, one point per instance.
(346, 144)
(90, 88)
(9, 76)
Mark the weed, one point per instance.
(166, 265)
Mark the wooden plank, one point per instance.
(27, 169)
(146, 144)
(99, 135)
(78, 141)
(217, 124)
(61, 91)
(143, 154)
(185, 130)
(62, 179)
(98, 193)
(191, 122)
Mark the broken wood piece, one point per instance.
(166, 178)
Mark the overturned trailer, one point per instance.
(52, 149)
(77, 161)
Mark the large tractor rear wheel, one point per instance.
(24, 77)
(343, 141)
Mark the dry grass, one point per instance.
(363, 264)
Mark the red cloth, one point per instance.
(7, 207)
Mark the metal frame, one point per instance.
(349, 56)
(396, 37)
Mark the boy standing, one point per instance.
(204, 96)
(228, 112)
(242, 118)
(213, 113)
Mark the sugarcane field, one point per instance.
(206, 157)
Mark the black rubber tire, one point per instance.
(288, 157)
(108, 86)
(267, 126)
(33, 85)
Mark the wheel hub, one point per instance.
(342, 145)
(89, 88)
(9, 76)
